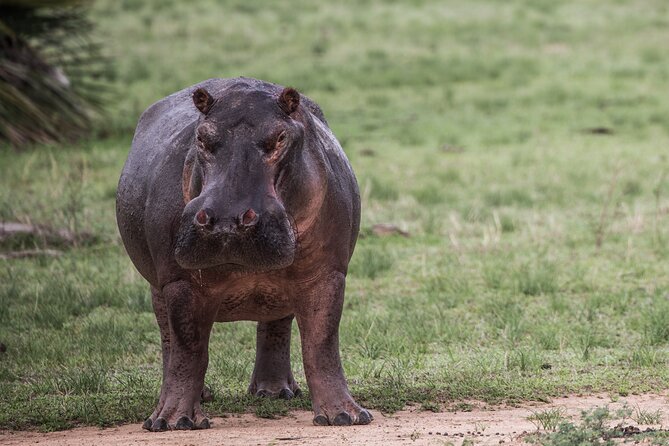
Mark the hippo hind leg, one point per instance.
(272, 375)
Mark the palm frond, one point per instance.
(52, 75)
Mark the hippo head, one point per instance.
(246, 152)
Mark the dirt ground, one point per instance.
(483, 425)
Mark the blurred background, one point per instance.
(512, 160)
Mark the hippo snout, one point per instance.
(205, 219)
(248, 218)
(250, 239)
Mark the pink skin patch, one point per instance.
(249, 217)
(201, 217)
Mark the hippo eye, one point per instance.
(201, 143)
(281, 140)
(274, 148)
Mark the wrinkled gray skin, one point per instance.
(237, 203)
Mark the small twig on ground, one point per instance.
(30, 253)
(386, 229)
(65, 236)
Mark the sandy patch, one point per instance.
(483, 425)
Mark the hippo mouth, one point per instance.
(269, 245)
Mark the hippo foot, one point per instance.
(174, 421)
(207, 395)
(283, 394)
(285, 389)
(352, 414)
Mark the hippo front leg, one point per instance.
(318, 318)
(160, 310)
(185, 321)
(272, 375)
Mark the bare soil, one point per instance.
(484, 425)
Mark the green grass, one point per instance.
(548, 419)
(600, 426)
(643, 416)
(465, 123)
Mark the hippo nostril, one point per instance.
(249, 217)
(203, 217)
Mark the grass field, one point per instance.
(522, 144)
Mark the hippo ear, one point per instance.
(203, 100)
(289, 100)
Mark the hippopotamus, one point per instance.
(236, 203)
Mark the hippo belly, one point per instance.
(261, 300)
